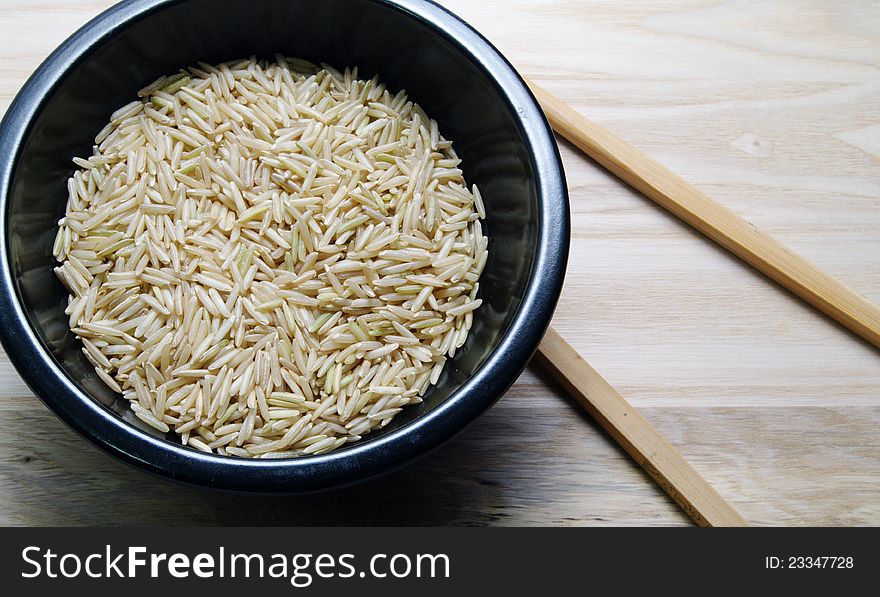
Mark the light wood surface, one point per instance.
(650, 450)
(740, 237)
(772, 109)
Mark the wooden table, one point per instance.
(774, 110)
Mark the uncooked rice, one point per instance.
(270, 259)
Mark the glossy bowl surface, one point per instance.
(459, 79)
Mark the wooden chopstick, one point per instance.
(735, 234)
(647, 447)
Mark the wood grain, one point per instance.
(740, 237)
(772, 109)
(632, 432)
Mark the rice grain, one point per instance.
(270, 258)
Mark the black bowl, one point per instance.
(475, 95)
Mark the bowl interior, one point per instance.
(404, 52)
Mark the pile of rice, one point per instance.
(270, 259)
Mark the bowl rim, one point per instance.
(362, 460)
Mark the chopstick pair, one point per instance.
(636, 435)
